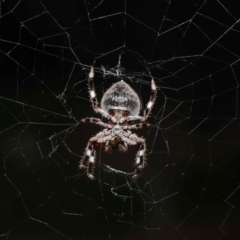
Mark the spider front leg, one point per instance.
(93, 95)
(92, 92)
(152, 99)
(148, 108)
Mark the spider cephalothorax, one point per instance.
(120, 105)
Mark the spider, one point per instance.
(120, 105)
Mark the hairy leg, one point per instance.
(96, 121)
(93, 95)
(88, 160)
(152, 99)
(136, 126)
(140, 161)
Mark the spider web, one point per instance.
(190, 186)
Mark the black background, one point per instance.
(189, 189)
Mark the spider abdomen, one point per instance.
(120, 96)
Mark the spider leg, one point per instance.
(134, 118)
(148, 108)
(96, 121)
(136, 126)
(93, 95)
(152, 99)
(140, 161)
(88, 160)
(92, 92)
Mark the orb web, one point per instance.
(190, 186)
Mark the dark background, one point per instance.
(190, 187)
